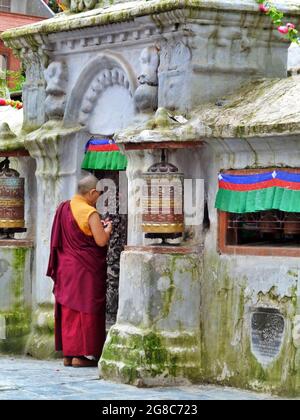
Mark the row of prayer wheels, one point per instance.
(290, 225)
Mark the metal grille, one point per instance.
(117, 242)
(5, 5)
(273, 226)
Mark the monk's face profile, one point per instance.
(92, 196)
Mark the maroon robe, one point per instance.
(77, 266)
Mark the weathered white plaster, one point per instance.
(10, 268)
(294, 58)
(160, 298)
(205, 51)
(116, 109)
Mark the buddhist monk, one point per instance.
(77, 266)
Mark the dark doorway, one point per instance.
(117, 243)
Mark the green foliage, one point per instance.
(277, 18)
(17, 79)
(53, 5)
(275, 15)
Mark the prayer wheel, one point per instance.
(163, 192)
(11, 198)
(292, 224)
(269, 223)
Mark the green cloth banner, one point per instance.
(275, 198)
(109, 161)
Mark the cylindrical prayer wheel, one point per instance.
(163, 214)
(291, 224)
(11, 198)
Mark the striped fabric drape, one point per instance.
(103, 154)
(276, 190)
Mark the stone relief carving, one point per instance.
(102, 76)
(33, 53)
(175, 60)
(56, 76)
(146, 95)
(175, 56)
(78, 5)
(34, 89)
(105, 79)
(267, 329)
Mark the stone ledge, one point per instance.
(16, 243)
(156, 249)
(164, 145)
(130, 10)
(14, 153)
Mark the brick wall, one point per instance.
(8, 21)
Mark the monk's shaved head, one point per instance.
(87, 184)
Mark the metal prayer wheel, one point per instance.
(269, 223)
(163, 192)
(11, 199)
(292, 224)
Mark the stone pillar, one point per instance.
(15, 295)
(296, 340)
(156, 340)
(58, 154)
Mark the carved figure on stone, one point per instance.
(146, 95)
(79, 5)
(56, 77)
(89, 4)
(175, 59)
(180, 56)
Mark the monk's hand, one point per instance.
(105, 222)
(108, 227)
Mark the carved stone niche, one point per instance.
(267, 333)
(102, 98)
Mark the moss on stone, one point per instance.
(18, 317)
(227, 358)
(121, 13)
(148, 355)
(168, 295)
(41, 340)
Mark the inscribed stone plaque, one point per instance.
(267, 328)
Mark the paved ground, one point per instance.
(28, 379)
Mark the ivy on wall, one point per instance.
(277, 17)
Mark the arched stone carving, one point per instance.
(104, 71)
(107, 79)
